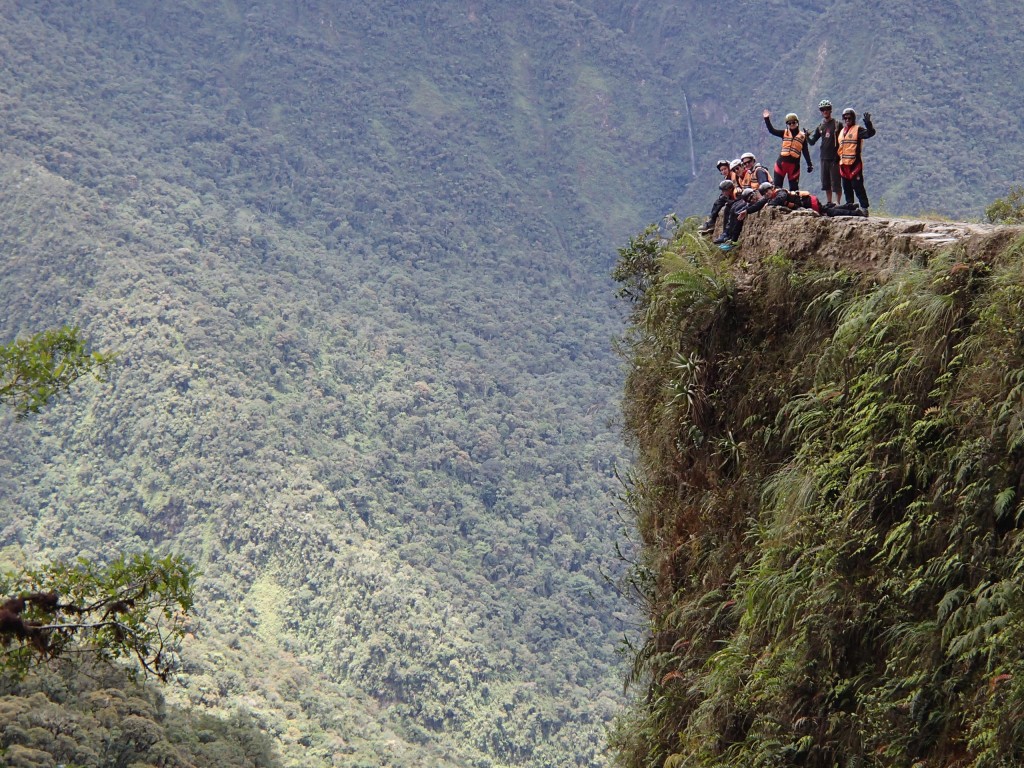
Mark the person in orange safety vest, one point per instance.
(794, 143)
(851, 164)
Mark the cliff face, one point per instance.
(829, 427)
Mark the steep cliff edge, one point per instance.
(871, 245)
(829, 492)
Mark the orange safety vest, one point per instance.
(849, 144)
(752, 181)
(792, 146)
(742, 177)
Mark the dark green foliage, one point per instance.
(355, 259)
(1009, 209)
(833, 533)
(93, 717)
(35, 369)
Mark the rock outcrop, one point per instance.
(872, 244)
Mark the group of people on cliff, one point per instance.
(747, 185)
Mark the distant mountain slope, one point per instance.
(942, 87)
(355, 260)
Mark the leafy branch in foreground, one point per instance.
(33, 370)
(1009, 209)
(132, 608)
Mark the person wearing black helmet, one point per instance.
(728, 194)
(733, 225)
(796, 200)
(851, 165)
(828, 157)
(794, 143)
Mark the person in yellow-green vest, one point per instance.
(851, 164)
(794, 143)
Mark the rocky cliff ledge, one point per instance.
(874, 244)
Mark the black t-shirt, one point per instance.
(828, 132)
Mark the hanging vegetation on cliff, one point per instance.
(829, 486)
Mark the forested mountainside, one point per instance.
(941, 87)
(355, 261)
(829, 489)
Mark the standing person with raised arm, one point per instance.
(794, 143)
(851, 164)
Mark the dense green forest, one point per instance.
(354, 261)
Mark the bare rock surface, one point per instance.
(874, 244)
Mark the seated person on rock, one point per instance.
(728, 194)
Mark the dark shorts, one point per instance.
(830, 176)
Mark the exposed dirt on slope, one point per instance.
(874, 244)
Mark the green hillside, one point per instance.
(355, 261)
(355, 264)
(940, 86)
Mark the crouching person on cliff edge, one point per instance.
(734, 220)
(751, 201)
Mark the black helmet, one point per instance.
(765, 186)
(747, 192)
(726, 185)
(720, 163)
(850, 114)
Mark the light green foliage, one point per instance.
(134, 608)
(853, 595)
(1009, 209)
(35, 369)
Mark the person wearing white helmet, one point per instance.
(758, 174)
(794, 143)
(828, 156)
(738, 173)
